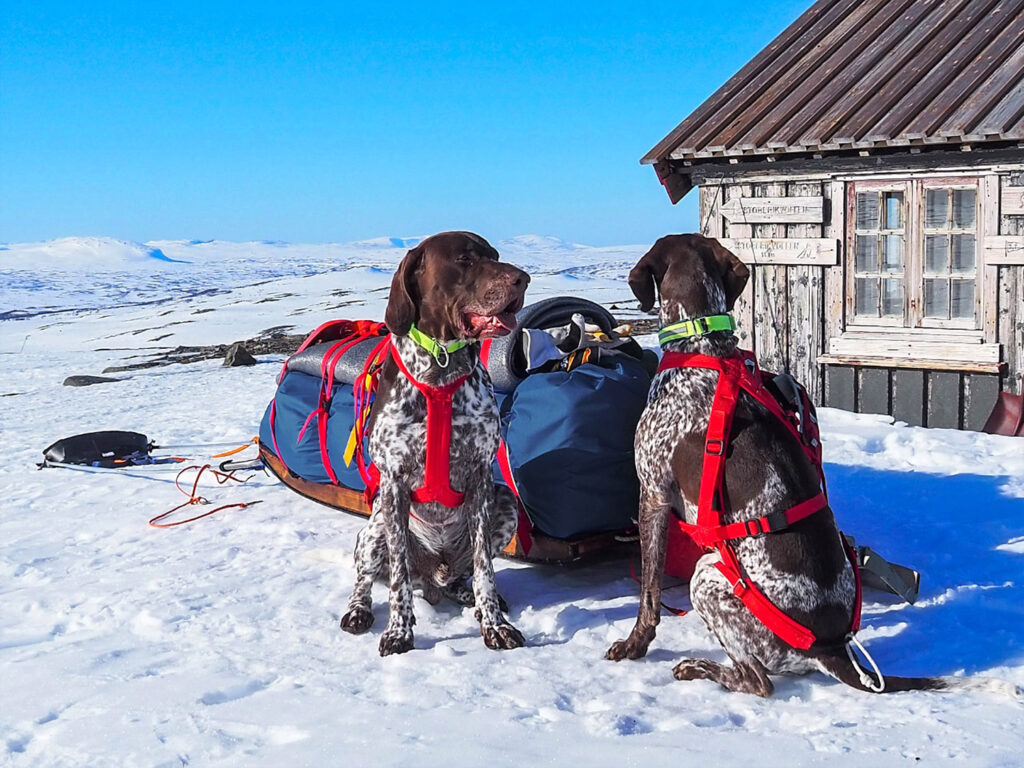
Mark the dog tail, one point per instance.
(837, 663)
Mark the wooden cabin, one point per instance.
(869, 166)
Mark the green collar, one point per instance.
(438, 350)
(695, 328)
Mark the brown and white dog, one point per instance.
(802, 569)
(451, 287)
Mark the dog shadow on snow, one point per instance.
(970, 612)
(969, 615)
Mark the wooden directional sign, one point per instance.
(1004, 250)
(1012, 202)
(774, 210)
(822, 251)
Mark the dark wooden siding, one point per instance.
(921, 398)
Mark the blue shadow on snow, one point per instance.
(970, 613)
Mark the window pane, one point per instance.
(867, 253)
(936, 298)
(892, 297)
(963, 253)
(962, 298)
(964, 208)
(936, 254)
(892, 253)
(867, 210)
(894, 210)
(936, 208)
(867, 296)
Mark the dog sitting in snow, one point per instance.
(436, 520)
(802, 568)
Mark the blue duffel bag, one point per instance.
(569, 436)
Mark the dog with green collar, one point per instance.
(437, 520)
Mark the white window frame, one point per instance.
(913, 319)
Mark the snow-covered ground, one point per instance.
(217, 643)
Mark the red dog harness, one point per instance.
(735, 373)
(437, 471)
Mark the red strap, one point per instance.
(273, 430)
(525, 525)
(737, 372)
(485, 351)
(790, 631)
(364, 390)
(350, 333)
(777, 521)
(437, 471)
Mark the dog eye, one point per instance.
(464, 258)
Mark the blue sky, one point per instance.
(344, 121)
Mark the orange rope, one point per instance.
(220, 477)
(233, 451)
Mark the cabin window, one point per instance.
(950, 253)
(914, 248)
(879, 247)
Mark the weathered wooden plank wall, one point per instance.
(805, 291)
(781, 313)
(788, 313)
(1010, 313)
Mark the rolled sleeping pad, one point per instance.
(506, 363)
(348, 368)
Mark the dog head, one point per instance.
(452, 286)
(694, 275)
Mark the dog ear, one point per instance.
(643, 280)
(733, 271)
(401, 310)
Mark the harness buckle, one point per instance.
(770, 523)
(741, 587)
(714, 447)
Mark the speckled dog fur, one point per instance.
(803, 570)
(430, 546)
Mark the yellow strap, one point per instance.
(350, 449)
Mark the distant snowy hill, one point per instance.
(46, 277)
(81, 253)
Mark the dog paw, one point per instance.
(625, 649)
(693, 669)
(395, 641)
(502, 637)
(357, 621)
